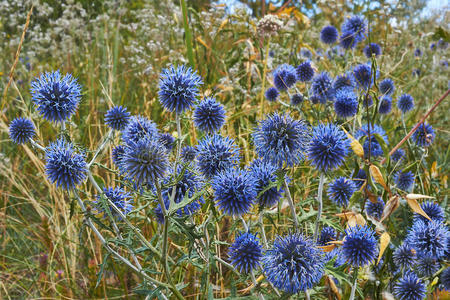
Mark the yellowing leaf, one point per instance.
(434, 172)
(435, 281)
(360, 220)
(356, 146)
(376, 174)
(384, 242)
(418, 196)
(390, 207)
(199, 39)
(333, 287)
(222, 25)
(416, 207)
(327, 248)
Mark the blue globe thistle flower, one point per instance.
(64, 166)
(433, 46)
(234, 191)
(139, 128)
(417, 52)
(304, 71)
(433, 210)
(216, 154)
(404, 256)
(56, 97)
(246, 252)
(284, 77)
(117, 154)
(188, 153)
(405, 103)
(357, 26)
(410, 287)
(347, 40)
(375, 147)
(314, 99)
(385, 105)
(281, 140)
(178, 88)
(327, 234)
(445, 279)
(346, 104)
(372, 49)
(264, 174)
(398, 155)
(329, 34)
(21, 130)
(304, 52)
(416, 72)
(387, 87)
(363, 76)
(117, 118)
(271, 53)
(121, 199)
(144, 161)
(404, 180)
(367, 100)
(375, 210)
(424, 135)
(322, 86)
(341, 190)
(428, 238)
(345, 82)
(293, 264)
(272, 94)
(360, 178)
(209, 115)
(166, 140)
(296, 99)
(335, 253)
(360, 246)
(328, 147)
(427, 266)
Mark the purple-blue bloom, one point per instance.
(284, 77)
(341, 190)
(428, 238)
(121, 199)
(327, 234)
(21, 130)
(375, 147)
(296, 99)
(304, 71)
(372, 49)
(410, 287)
(346, 103)
(329, 34)
(264, 174)
(246, 252)
(424, 135)
(139, 128)
(360, 246)
(386, 87)
(385, 105)
(405, 103)
(188, 153)
(209, 115)
(375, 210)
(404, 180)
(117, 118)
(433, 210)
(322, 87)
(272, 94)
(404, 256)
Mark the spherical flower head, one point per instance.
(178, 88)
(445, 279)
(404, 256)
(424, 135)
(347, 40)
(215, 154)
(428, 238)
(139, 128)
(264, 174)
(355, 25)
(144, 161)
(405, 103)
(335, 253)
(246, 252)
(121, 199)
(188, 153)
(375, 147)
(117, 154)
(433, 210)
(375, 210)
(360, 246)
(56, 97)
(398, 155)
(372, 49)
(344, 82)
(304, 52)
(117, 118)
(166, 140)
(363, 75)
(64, 166)
(329, 34)
(327, 234)
(304, 71)
(234, 191)
(367, 100)
(281, 140)
(284, 77)
(387, 87)
(296, 99)
(209, 115)
(341, 190)
(21, 130)
(328, 147)
(322, 86)
(404, 180)
(410, 287)
(360, 178)
(385, 105)
(272, 94)
(346, 103)
(293, 264)
(314, 99)
(427, 266)
(417, 52)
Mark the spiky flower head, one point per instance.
(306, 53)
(327, 235)
(424, 135)
(341, 190)
(385, 105)
(166, 140)
(445, 279)
(398, 155)
(404, 256)
(375, 210)
(427, 266)
(281, 140)
(144, 161)
(304, 71)
(284, 77)
(188, 153)
(410, 287)
(272, 94)
(387, 87)
(328, 147)
(293, 264)
(433, 210)
(121, 199)
(344, 82)
(346, 103)
(215, 154)
(360, 246)
(404, 180)
(64, 166)
(405, 103)
(314, 99)
(329, 34)
(178, 88)
(56, 97)
(296, 99)
(117, 118)
(21, 130)
(363, 75)
(264, 173)
(234, 191)
(372, 49)
(117, 154)
(322, 87)
(417, 52)
(246, 252)
(357, 26)
(428, 238)
(209, 115)
(139, 128)
(375, 147)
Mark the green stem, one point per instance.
(355, 283)
(291, 204)
(319, 211)
(187, 32)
